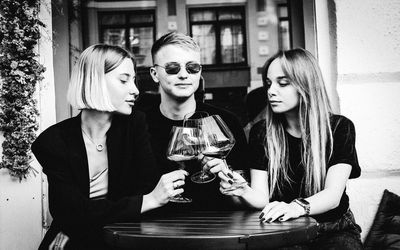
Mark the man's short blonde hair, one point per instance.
(87, 86)
(174, 38)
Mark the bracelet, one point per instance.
(304, 204)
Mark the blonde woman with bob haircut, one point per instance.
(99, 164)
(302, 154)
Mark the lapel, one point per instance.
(115, 151)
(78, 156)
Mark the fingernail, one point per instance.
(230, 182)
(261, 215)
(230, 175)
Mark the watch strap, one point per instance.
(304, 204)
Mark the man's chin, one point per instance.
(182, 99)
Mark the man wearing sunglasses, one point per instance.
(177, 70)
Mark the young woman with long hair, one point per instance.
(302, 154)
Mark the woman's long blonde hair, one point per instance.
(314, 111)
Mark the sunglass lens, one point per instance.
(172, 68)
(193, 68)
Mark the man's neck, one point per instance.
(175, 110)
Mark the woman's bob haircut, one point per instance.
(87, 87)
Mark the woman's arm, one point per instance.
(321, 202)
(329, 197)
(255, 195)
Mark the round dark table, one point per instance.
(209, 230)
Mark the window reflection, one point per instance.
(132, 30)
(229, 15)
(284, 26)
(220, 32)
(114, 37)
(232, 44)
(141, 40)
(204, 35)
(111, 19)
(284, 34)
(202, 15)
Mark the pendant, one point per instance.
(99, 147)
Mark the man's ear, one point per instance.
(153, 73)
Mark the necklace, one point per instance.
(99, 146)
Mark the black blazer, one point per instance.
(132, 172)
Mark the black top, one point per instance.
(205, 196)
(132, 172)
(344, 151)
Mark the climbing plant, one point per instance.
(20, 72)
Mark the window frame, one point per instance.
(284, 19)
(217, 24)
(126, 26)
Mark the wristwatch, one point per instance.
(304, 204)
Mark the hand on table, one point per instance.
(280, 210)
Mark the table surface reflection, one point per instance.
(209, 230)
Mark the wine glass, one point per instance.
(195, 120)
(183, 146)
(218, 141)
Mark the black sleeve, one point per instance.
(344, 150)
(239, 153)
(149, 172)
(257, 156)
(72, 210)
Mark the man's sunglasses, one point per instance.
(173, 68)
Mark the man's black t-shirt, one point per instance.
(344, 151)
(205, 196)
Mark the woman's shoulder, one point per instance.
(55, 135)
(258, 131)
(60, 127)
(341, 123)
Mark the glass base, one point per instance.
(202, 177)
(180, 199)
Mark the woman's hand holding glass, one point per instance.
(233, 183)
(169, 186)
(218, 141)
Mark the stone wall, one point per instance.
(368, 65)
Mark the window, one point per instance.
(221, 34)
(284, 27)
(131, 30)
